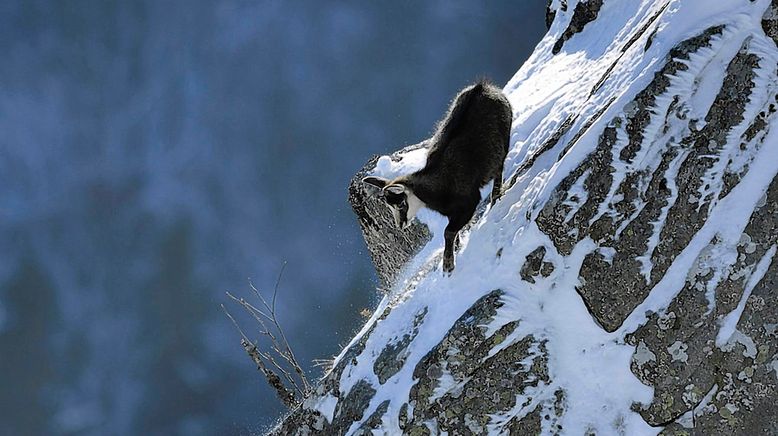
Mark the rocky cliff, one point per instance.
(627, 282)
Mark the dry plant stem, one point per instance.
(325, 364)
(287, 397)
(272, 309)
(255, 313)
(282, 380)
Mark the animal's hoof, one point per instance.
(448, 265)
(495, 196)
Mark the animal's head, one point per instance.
(399, 197)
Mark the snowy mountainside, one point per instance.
(626, 281)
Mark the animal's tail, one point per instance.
(454, 120)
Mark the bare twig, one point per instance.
(288, 354)
(253, 311)
(275, 288)
(267, 332)
(325, 364)
(287, 396)
(274, 372)
(243, 335)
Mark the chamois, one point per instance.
(467, 151)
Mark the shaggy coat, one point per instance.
(466, 152)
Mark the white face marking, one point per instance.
(403, 204)
(414, 204)
(398, 221)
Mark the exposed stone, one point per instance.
(528, 425)
(489, 389)
(533, 265)
(706, 365)
(352, 407)
(465, 340)
(626, 270)
(770, 21)
(374, 421)
(390, 248)
(301, 422)
(392, 358)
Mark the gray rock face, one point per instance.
(646, 216)
(390, 248)
(536, 265)
(481, 384)
(687, 363)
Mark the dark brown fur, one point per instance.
(467, 151)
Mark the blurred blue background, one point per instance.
(154, 154)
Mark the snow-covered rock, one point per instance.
(627, 282)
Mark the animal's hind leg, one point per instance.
(497, 186)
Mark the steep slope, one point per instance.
(626, 282)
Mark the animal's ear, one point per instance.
(375, 185)
(378, 182)
(395, 189)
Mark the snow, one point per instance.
(326, 405)
(591, 365)
(408, 162)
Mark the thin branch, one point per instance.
(289, 354)
(286, 374)
(275, 344)
(261, 298)
(278, 344)
(257, 355)
(249, 308)
(226, 312)
(275, 288)
(325, 364)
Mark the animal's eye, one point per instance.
(394, 198)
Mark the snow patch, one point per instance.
(405, 163)
(326, 406)
(739, 337)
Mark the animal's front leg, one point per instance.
(456, 222)
(448, 251)
(496, 187)
(451, 235)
